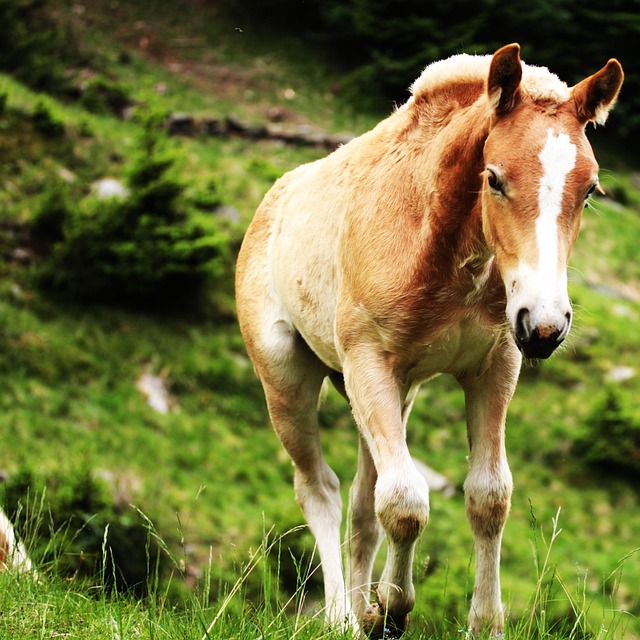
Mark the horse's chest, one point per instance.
(460, 348)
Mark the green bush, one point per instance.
(50, 215)
(207, 197)
(35, 48)
(148, 247)
(611, 441)
(74, 525)
(103, 96)
(46, 122)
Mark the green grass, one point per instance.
(212, 472)
(45, 606)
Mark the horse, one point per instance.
(13, 554)
(436, 243)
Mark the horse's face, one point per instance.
(539, 172)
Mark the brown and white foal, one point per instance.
(436, 243)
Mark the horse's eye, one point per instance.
(592, 188)
(494, 182)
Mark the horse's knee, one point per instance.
(402, 505)
(487, 516)
(488, 503)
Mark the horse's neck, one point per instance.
(452, 226)
(455, 264)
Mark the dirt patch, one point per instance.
(199, 50)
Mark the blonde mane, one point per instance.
(538, 82)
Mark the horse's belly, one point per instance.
(323, 346)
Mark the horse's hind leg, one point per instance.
(292, 377)
(364, 534)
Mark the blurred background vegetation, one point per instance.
(381, 44)
(117, 248)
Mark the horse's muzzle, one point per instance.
(539, 341)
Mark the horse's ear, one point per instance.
(595, 96)
(505, 74)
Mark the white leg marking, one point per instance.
(319, 498)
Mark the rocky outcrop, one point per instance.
(185, 124)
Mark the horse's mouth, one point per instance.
(535, 346)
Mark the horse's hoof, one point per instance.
(377, 624)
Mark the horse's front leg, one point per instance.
(488, 486)
(401, 500)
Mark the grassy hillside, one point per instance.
(77, 436)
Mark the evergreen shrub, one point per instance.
(103, 96)
(151, 246)
(46, 122)
(611, 441)
(50, 215)
(36, 49)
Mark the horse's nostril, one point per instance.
(564, 331)
(522, 324)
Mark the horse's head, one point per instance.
(539, 172)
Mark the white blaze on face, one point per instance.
(541, 288)
(558, 157)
